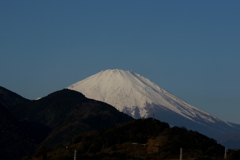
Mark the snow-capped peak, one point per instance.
(137, 96)
(127, 89)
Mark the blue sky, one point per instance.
(189, 48)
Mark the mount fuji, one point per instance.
(137, 96)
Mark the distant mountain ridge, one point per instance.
(137, 96)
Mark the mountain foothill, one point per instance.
(53, 120)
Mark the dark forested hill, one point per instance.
(17, 138)
(13, 139)
(52, 120)
(139, 139)
(9, 98)
(69, 113)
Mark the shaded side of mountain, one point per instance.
(138, 139)
(231, 141)
(212, 130)
(10, 99)
(69, 113)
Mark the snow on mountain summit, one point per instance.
(137, 96)
(126, 89)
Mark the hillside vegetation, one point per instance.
(139, 139)
(68, 113)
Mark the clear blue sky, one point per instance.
(189, 48)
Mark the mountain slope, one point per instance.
(10, 99)
(230, 140)
(69, 113)
(137, 96)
